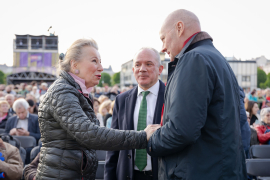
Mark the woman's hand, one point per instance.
(150, 129)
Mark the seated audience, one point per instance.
(12, 166)
(98, 92)
(104, 110)
(23, 91)
(113, 93)
(109, 120)
(96, 108)
(263, 130)
(4, 115)
(24, 124)
(102, 98)
(32, 106)
(267, 104)
(252, 96)
(9, 90)
(44, 87)
(10, 98)
(252, 108)
(35, 93)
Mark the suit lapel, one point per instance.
(130, 106)
(159, 104)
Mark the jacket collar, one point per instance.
(65, 75)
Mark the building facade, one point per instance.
(246, 73)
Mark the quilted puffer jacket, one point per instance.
(70, 134)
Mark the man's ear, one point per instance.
(160, 69)
(180, 28)
(73, 64)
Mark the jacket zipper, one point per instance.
(82, 164)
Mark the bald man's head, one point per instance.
(176, 29)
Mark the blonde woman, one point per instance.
(104, 110)
(4, 115)
(70, 131)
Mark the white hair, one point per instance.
(44, 84)
(151, 49)
(264, 112)
(74, 53)
(19, 103)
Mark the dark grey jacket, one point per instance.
(200, 138)
(70, 132)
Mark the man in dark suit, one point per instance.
(139, 106)
(24, 124)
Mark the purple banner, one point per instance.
(37, 57)
(47, 60)
(23, 59)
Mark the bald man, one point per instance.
(200, 137)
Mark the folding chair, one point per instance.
(26, 141)
(100, 170)
(34, 153)
(2, 130)
(260, 152)
(101, 155)
(23, 154)
(258, 167)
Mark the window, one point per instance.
(246, 78)
(21, 42)
(36, 42)
(51, 42)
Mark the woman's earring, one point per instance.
(77, 71)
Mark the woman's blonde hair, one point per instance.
(111, 109)
(106, 104)
(102, 98)
(74, 53)
(4, 102)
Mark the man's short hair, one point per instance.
(152, 49)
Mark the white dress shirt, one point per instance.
(23, 123)
(151, 99)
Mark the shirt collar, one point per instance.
(81, 83)
(154, 89)
(26, 116)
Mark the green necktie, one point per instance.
(141, 154)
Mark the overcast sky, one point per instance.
(239, 28)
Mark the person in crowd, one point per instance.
(69, 128)
(12, 165)
(31, 170)
(10, 98)
(24, 124)
(260, 98)
(98, 92)
(244, 125)
(35, 93)
(9, 90)
(96, 108)
(134, 110)
(253, 138)
(32, 106)
(252, 96)
(106, 89)
(2, 94)
(109, 120)
(102, 98)
(44, 87)
(29, 88)
(131, 86)
(200, 137)
(113, 93)
(266, 105)
(4, 114)
(267, 94)
(2, 87)
(23, 91)
(252, 108)
(263, 130)
(104, 110)
(124, 89)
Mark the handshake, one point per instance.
(150, 129)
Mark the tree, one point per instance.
(105, 79)
(267, 82)
(116, 78)
(261, 77)
(2, 77)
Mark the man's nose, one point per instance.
(163, 48)
(143, 67)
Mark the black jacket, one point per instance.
(200, 138)
(70, 132)
(4, 121)
(120, 164)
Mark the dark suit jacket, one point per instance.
(33, 126)
(120, 164)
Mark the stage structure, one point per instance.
(34, 58)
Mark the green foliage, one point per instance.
(116, 78)
(2, 77)
(261, 77)
(105, 79)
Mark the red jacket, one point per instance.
(263, 138)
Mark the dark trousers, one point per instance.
(141, 175)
